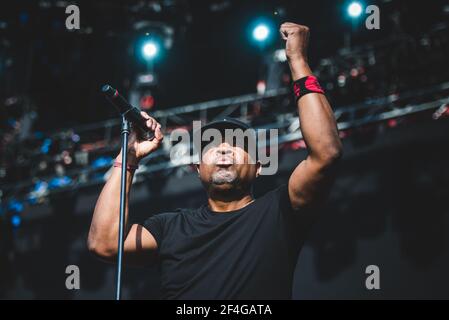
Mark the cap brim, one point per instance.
(225, 124)
(222, 125)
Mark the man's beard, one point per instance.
(224, 176)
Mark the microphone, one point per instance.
(131, 113)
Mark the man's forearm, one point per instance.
(299, 68)
(103, 233)
(317, 120)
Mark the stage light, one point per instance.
(150, 50)
(15, 206)
(261, 87)
(147, 78)
(261, 32)
(101, 162)
(147, 102)
(39, 190)
(16, 220)
(45, 148)
(280, 56)
(59, 182)
(341, 80)
(355, 9)
(75, 138)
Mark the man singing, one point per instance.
(235, 246)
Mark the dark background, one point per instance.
(389, 206)
(212, 56)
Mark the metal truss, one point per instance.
(286, 122)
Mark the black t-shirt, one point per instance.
(248, 253)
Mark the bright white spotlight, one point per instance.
(355, 9)
(280, 55)
(261, 32)
(149, 50)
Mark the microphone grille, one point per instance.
(105, 88)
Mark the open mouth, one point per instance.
(224, 162)
(224, 165)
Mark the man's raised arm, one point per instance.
(312, 178)
(103, 234)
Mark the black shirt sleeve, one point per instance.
(301, 216)
(160, 224)
(285, 204)
(155, 225)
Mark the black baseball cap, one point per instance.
(225, 123)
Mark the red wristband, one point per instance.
(306, 85)
(129, 167)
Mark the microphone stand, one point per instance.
(124, 133)
(129, 114)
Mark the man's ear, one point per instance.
(259, 168)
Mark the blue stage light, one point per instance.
(355, 9)
(16, 220)
(261, 32)
(150, 50)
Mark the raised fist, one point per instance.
(297, 39)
